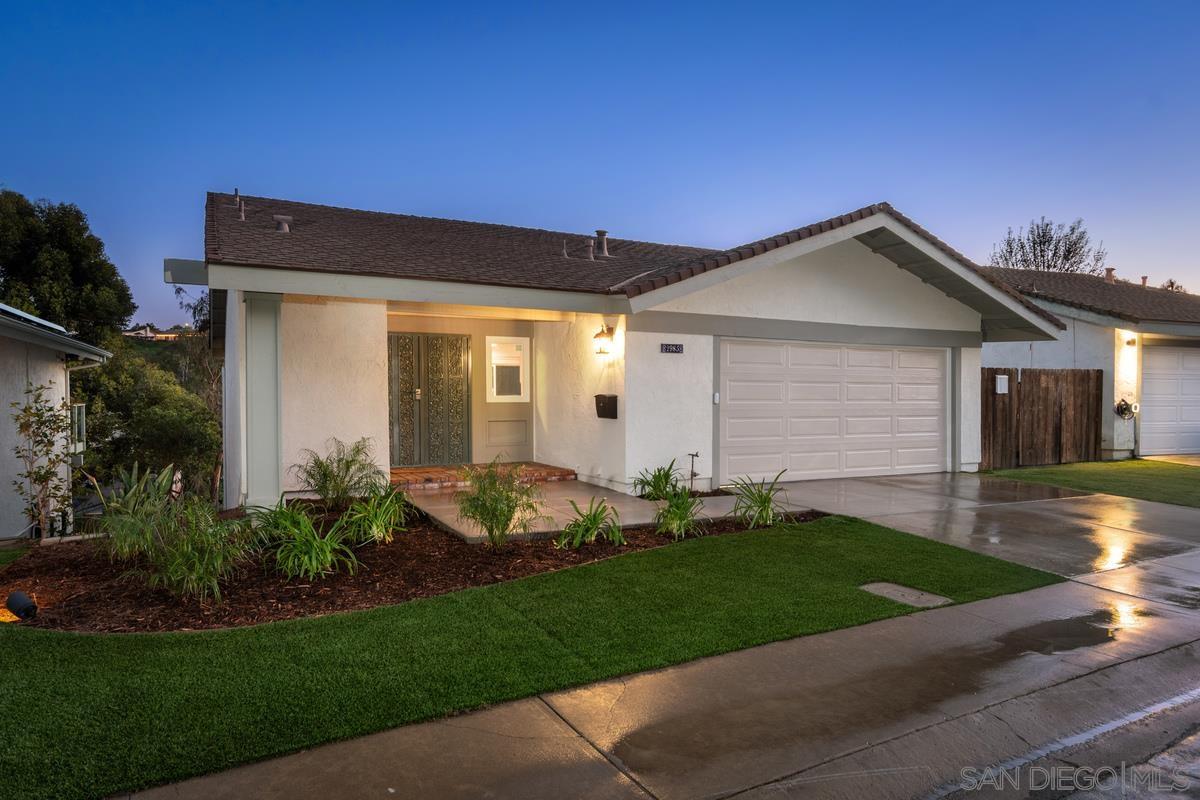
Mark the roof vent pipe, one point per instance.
(591, 249)
(283, 223)
(236, 196)
(1110, 274)
(565, 249)
(602, 235)
(1144, 279)
(242, 210)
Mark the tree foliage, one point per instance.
(138, 412)
(43, 451)
(52, 265)
(1172, 285)
(1051, 248)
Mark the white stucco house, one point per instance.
(1147, 341)
(847, 347)
(39, 353)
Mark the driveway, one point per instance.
(1191, 460)
(895, 708)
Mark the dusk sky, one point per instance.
(694, 123)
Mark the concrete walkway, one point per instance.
(556, 507)
(895, 708)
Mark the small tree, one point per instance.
(1172, 285)
(44, 451)
(1051, 248)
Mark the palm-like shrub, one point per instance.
(658, 483)
(134, 490)
(600, 519)
(195, 550)
(755, 502)
(377, 517)
(499, 502)
(678, 515)
(344, 473)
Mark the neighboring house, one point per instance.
(150, 333)
(1146, 340)
(848, 347)
(33, 351)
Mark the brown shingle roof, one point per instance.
(342, 240)
(1122, 299)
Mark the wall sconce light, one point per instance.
(1131, 341)
(603, 340)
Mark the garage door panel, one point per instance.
(1170, 404)
(743, 429)
(813, 392)
(799, 427)
(870, 359)
(814, 357)
(848, 410)
(754, 391)
(868, 392)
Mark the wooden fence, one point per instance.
(1049, 416)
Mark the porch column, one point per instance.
(262, 435)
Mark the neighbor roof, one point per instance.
(25, 327)
(1124, 300)
(348, 241)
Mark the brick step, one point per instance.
(451, 477)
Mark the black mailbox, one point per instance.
(606, 406)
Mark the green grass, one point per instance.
(88, 715)
(1161, 481)
(9, 554)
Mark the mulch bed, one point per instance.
(77, 588)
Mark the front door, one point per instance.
(429, 398)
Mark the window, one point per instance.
(508, 369)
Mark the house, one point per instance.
(39, 353)
(847, 347)
(150, 333)
(1146, 340)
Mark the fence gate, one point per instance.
(1049, 416)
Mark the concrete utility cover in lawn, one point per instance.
(905, 594)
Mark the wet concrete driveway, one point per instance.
(1059, 530)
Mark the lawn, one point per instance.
(8, 554)
(90, 715)
(1146, 480)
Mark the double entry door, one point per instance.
(429, 398)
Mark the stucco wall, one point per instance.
(1083, 345)
(670, 403)
(21, 364)
(503, 430)
(567, 432)
(333, 376)
(845, 284)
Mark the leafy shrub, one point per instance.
(195, 550)
(678, 514)
(755, 504)
(134, 490)
(346, 472)
(658, 483)
(182, 547)
(378, 517)
(300, 548)
(600, 519)
(499, 502)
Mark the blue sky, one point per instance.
(707, 124)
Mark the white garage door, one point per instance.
(1170, 400)
(824, 411)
